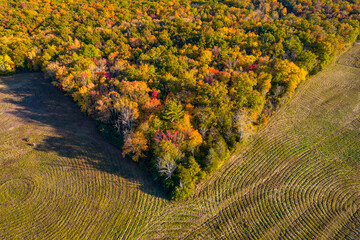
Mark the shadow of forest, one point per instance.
(76, 137)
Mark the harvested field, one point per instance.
(299, 178)
(351, 58)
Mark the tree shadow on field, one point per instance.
(75, 136)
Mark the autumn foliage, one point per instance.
(180, 83)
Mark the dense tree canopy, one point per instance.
(179, 82)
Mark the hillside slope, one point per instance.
(298, 179)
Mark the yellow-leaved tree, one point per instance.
(289, 75)
(135, 145)
(7, 66)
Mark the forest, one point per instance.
(178, 85)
